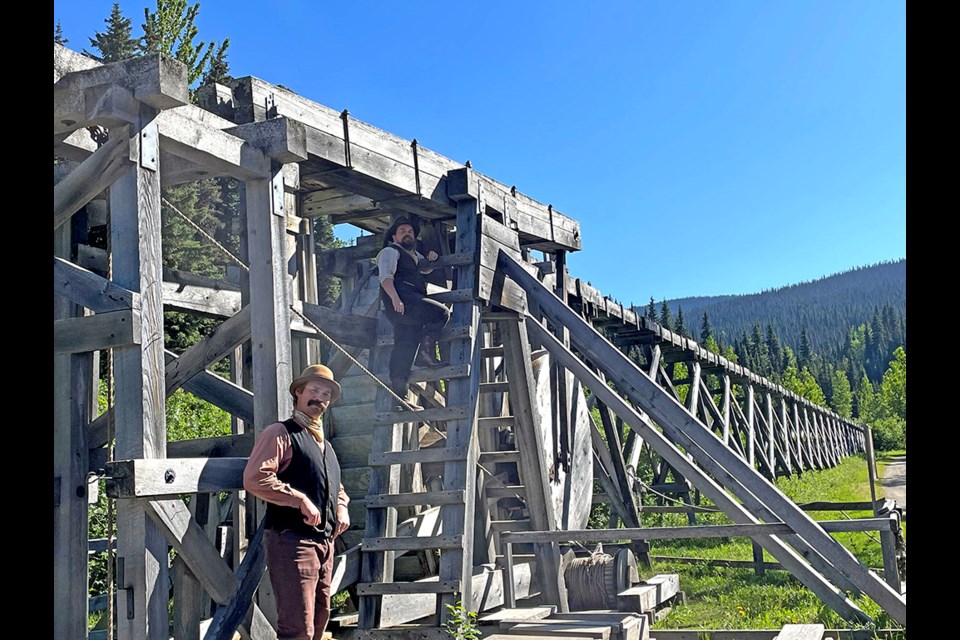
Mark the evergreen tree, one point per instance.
(651, 310)
(681, 327)
(893, 388)
(804, 385)
(728, 353)
(758, 351)
(666, 318)
(868, 405)
(58, 34)
(172, 31)
(705, 329)
(804, 352)
(774, 352)
(116, 43)
(710, 344)
(219, 69)
(841, 399)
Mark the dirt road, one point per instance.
(894, 481)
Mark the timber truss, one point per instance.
(502, 441)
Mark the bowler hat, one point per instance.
(388, 234)
(316, 372)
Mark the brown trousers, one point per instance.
(300, 572)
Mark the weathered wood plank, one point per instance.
(201, 300)
(431, 498)
(87, 289)
(191, 543)
(95, 174)
(96, 332)
(801, 632)
(345, 329)
(631, 381)
(424, 586)
(141, 478)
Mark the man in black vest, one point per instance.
(417, 320)
(296, 472)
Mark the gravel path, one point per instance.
(894, 481)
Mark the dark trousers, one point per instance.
(421, 317)
(300, 572)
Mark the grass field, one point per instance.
(738, 598)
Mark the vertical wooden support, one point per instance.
(751, 427)
(238, 498)
(888, 548)
(799, 434)
(188, 599)
(562, 406)
(270, 294)
(540, 505)
(871, 470)
(73, 410)
(726, 409)
(786, 434)
(307, 349)
(140, 410)
(457, 519)
(808, 439)
(771, 435)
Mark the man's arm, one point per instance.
(387, 266)
(270, 455)
(423, 265)
(343, 514)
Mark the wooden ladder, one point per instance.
(391, 451)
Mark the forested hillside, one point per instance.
(826, 308)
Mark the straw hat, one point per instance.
(316, 372)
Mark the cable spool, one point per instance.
(593, 582)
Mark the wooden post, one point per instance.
(140, 409)
(751, 420)
(888, 548)
(73, 379)
(871, 470)
(771, 454)
(786, 434)
(726, 409)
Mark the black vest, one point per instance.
(316, 474)
(406, 280)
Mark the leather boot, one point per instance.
(399, 386)
(427, 353)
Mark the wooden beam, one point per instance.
(95, 174)
(87, 289)
(206, 301)
(707, 450)
(344, 328)
(96, 332)
(172, 476)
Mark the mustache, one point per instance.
(317, 403)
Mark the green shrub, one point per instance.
(889, 433)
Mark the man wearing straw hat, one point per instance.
(295, 470)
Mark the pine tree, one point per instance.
(116, 43)
(841, 399)
(893, 388)
(804, 352)
(58, 34)
(681, 327)
(651, 310)
(706, 330)
(868, 406)
(172, 31)
(666, 318)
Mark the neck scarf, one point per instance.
(315, 427)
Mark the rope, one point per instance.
(586, 579)
(206, 235)
(692, 507)
(357, 363)
(867, 533)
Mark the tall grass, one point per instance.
(738, 598)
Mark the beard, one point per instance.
(408, 243)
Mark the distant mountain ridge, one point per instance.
(827, 308)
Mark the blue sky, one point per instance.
(705, 147)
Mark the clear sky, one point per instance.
(706, 147)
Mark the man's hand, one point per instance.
(432, 256)
(398, 305)
(311, 515)
(343, 520)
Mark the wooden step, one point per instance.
(509, 491)
(518, 614)
(800, 632)
(452, 297)
(648, 595)
(499, 526)
(420, 586)
(423, 456)
(424, 415)
(495, 457)
(426, 498)
(561, 629)
(412, 543)
(491, 352)
(448, 334)
(423, 374)
(491, 423)
(494, 387)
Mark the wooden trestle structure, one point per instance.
(504, 441)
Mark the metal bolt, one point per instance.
(168, 476)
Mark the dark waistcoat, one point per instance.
(407, 279)
(313, 472)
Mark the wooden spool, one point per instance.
(593, 582)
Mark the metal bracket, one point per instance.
(270, 106)
(416, 167)
(150, 146)
(129, 590)
(345, 116)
